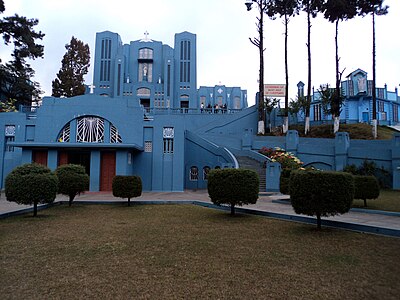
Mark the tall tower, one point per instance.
(185, 95)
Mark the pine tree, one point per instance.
(285, 9)
(16, 75)
(312, 8)
(373, 7)
(74, 66)
(336, 11)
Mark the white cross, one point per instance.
(146, 36)
(91, 87)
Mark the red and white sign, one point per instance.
(274, 90)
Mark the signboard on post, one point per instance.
(274, 90)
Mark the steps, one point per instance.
(246, 162)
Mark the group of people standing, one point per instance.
(213, 109)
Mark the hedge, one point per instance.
(321, 193)
(233, 187)
(366, 187)
(127, 187)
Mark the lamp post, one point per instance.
(258, 42)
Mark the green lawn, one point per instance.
(188, 252)
(388, 200)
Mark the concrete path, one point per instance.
(266, 203)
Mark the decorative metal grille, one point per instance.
(64, 136)
(148, 146)
(90, 130)
(114, 135)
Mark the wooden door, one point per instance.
(40, 157)
(62, 158)
(107, 170)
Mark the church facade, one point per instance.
(143, 115)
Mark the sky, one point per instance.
(223, 28)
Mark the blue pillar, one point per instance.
(396, 161)
(95, 171)
(342, 144)
(122, 162)
(292, 141)
(247, 139)
(272, 176)
(26, 156)
(52, 159)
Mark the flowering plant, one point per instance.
(286, 159)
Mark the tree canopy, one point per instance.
(75, 64)
(16, 75)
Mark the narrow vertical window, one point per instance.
(119, 80)
(206, 170)
(169, 81)
(194, 173)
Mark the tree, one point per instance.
(16, 75)
(233, 187)
(373, 7)
(312, 8)
(298, 105)
(127, 187)
(329, 100)
(285, 9)
(31, 184)
(336, 11)
(321, 193)
(73, 180)
(270, 104)
(366, 187)
(259, 43)
(74, 65)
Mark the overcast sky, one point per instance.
(223, 27)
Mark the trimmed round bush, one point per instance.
(284, 181)
(233, 187)
(366, 187)
(127, 187)
(31, 184)
(73, 180)
(321, 193)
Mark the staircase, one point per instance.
(246, 162)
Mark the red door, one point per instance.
(62, 158)
(40, 157)
(107, 170)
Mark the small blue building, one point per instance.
(357, 106)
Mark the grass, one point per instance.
(358, 131)
(388, 200)
(182, 251)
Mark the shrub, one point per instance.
(317, 193)
(366, 187)
(233, 187)
(72, 180)
(369, 168)
(284, 181)
(127, 187)
(31, 184)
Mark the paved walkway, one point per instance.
(266, 203)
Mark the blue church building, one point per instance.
(143, 115)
